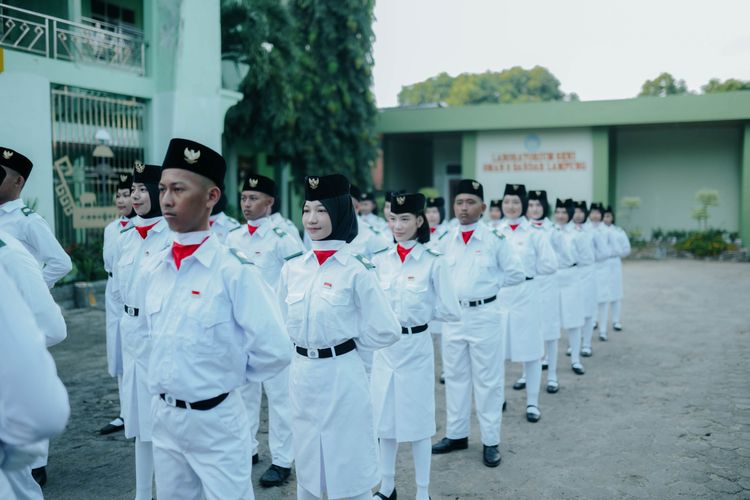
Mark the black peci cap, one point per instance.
(409, 203)
(16, 162)
(470, 186)
(146, 174)
(260, 183)
(197, 158)
(438, 202)
(515, 190)
(124, 181)
(326, 187)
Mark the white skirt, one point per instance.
(615, 278)
(549, 306)
(524, 341)
(587, 282)
(572, 298)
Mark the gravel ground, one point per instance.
(662, 412)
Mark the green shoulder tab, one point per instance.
(364, 261)
(2, 243)
(499, 235)
(26, 211)
(294, 255)
(127, 229)
(443, 235)
(536, 227)
(434, 252)
(279, 232)
(235, 228)
(240, 256)
(373, 229)
(380, 251)
(234, 221)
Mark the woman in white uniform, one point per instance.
(496, 213)
(620, 249)
(417, 282)
(602, 253)
(586, 251)
(113, 308)
(569, 281)
(435, 214)
(525, 340)
(334, 307)
(548, 285)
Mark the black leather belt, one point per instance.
(574, 265)
(109, 274)
(413, 329)
(131, 311)
(529, 278)
(475, 303)
(206, 404)
(340, 349)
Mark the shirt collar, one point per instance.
(9, 206)
(204, 254)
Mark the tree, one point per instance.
(715, 85)
(515, 84)
(335, 124)
(663, 85)
(707, 198)
(256, 33)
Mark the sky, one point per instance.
(599, 49)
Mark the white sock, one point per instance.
(533, 371)
(616, 307)
(574, 339)
(551, 346)
(422, 453)
(603, 313)
(388, 450)
(587, 332)
(144, 470)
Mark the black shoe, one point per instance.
(505, 405)
(275, 476)
(447, 445)
(545, 366)
(519, 385)
(617, 326)
(491, 456)
(40, 475)
(596, 325)
(393, 496)
(115, 425)
(578, 368)
(531, 416)
(586, 352)
(553, 386)
(256, 459)
(603, 338)
(442, 379)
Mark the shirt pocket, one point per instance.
(207, 327)
(295, 308)
(336, 312)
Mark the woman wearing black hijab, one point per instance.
(334, 309)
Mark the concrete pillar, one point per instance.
(745, 187)
(600, 173)
(469, 155)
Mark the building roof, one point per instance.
(722, 107)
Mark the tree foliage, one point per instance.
(511, 85)
(715, 85)
(256, 33)
(335, 123)
(663, 85)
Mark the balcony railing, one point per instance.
(48, 36)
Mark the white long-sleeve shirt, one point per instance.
(532, 245)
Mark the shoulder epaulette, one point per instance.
(443, 235)
(2, 243)
(240, 256)
(294, 255)
(380, 251)
(433, 252)
(26, 211)
(235, 228)
(234, 221)
(364, 261)
(535, 226)
(127, 229)
(279, 232)
(373, 229)
(499, 235)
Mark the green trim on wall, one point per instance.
(600, 173)
(728, 106)
(745, 187)
(468, 155)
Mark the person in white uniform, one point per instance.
(570, 282)
(268, 246)
(621, 249)
(214, 326)
(439, 232)
(113, 308)
(137, 252)
(26, 226)
(603, 251)
(522, 303)
(586, 249)
(417, 282)
(221, 224)
(334, 306)
(33, 401)
(369, 240)
(548, 285)
(481, 262)
(368, 212)
(495, 214)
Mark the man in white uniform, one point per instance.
(26, 226)
(481, 263)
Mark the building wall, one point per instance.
(666, 166)
(408, 162)
(446, 151)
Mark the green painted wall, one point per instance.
(469, 155)
(600, 173)
(745, 186)
(666, 166)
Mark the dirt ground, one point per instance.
(662, 412)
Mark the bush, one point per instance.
(87, 261)
(708, 243)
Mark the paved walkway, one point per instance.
(662, 412)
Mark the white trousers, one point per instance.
(474, 359)
(279, 416)
(23, 485)
(202, 454)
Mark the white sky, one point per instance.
(600, 49)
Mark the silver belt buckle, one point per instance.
(131, 311)
(312, 353)
(464, 303)
(170, 400)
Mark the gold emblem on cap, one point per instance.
(123, 177)
(252, 182)
(400, 200)
(139, 167)
(7, 154)
(475, 184)
(191, 157)
(431, 200)
(539, 193)
(314, 182)
(515, 187)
